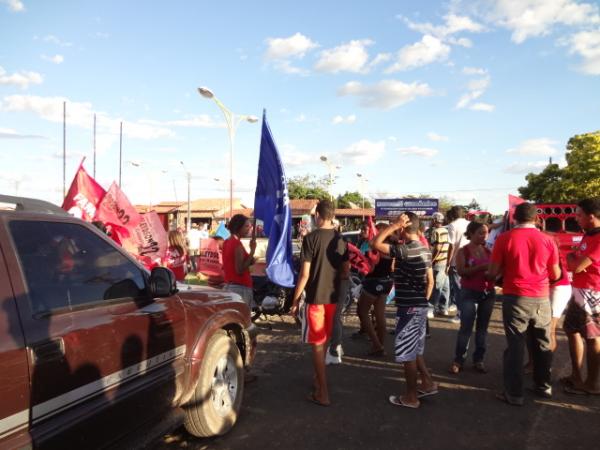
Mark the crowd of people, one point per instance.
(461, 267)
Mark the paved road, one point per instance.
(465, 414)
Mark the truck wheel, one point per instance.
(217, 398)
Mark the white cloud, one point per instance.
(56, 59)
(287, 67)
(380, 58)
(295, 46)
(437, 137)
(55, 40)
(418, 151)
(14, 5)
(363, 152)
(429, 49)
(201, 121)
(300, 118)
(486, 107)
(525, 167)
(348, 57)
(537, 147)
(341, 119)
(292, 158)
(534, 18)
(81, 114)
(474, 71)
(453, 24)
(475, 89)
(9, 133)
(587, 45)
(22, 79)
(387, 94)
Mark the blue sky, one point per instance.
(452, 98)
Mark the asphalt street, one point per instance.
(464, 415)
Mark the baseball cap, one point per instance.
(437, 217)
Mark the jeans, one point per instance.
(519, 315)
(441, 291)
(454, 285)
(475, 308)
(336, 333)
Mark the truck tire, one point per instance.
(217, 398)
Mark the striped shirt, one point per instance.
(410, 276)
(439, 235)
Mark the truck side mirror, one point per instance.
(162, 282)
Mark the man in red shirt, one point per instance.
(582, 319)
(527, 260)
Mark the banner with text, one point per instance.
(391, 207)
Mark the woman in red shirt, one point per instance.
(176, 256)
(236, 261)
(476, 298)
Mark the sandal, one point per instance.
(455, 368)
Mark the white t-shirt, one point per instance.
(194, 239)
(456, 237)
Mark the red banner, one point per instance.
(148, 240)
(116, 210)
(210, 260)
(84, 196)
(358, 261)
(513, 201)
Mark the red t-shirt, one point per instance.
(229, 273)
(176, 262)
(525, 256)
(477, 281)
(590, 247)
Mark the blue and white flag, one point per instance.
(272, 206)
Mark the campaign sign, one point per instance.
(390, 207)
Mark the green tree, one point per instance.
(344, 200)
(474, 205)
(579, 179)
(307, 187)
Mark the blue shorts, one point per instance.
(411, 327)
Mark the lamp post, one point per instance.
(232, 120)
(331, 168)
(189, 204)
(362, 180)
(141, 165)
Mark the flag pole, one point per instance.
(64, 149)
(120, 151)
(94, 145)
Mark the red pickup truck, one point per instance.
(94, 348)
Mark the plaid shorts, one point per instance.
(579, 317)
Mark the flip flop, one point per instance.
(397, 401)
(570, 389)
(422, 394)
(311, 398)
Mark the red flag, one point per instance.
(148, 240)
(115, 209)
(373, 255)
(513, 201)
(84, 196)
(358, 261)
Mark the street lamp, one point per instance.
(232, 120)
(141, 165)
(189, 204)
(362, 180)
(332, 168)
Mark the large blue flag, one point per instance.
(272, 206)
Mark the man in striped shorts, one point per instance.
(413, 280)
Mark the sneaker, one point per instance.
(452, 308)
(455, 319)
(430, 314)
(334, 356)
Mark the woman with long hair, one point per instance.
(176, 257)
(237, 261)
(476, 297)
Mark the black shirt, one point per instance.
(326, 251)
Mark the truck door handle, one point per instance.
(47, 351)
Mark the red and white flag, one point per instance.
(116, 210)
(84, 196)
